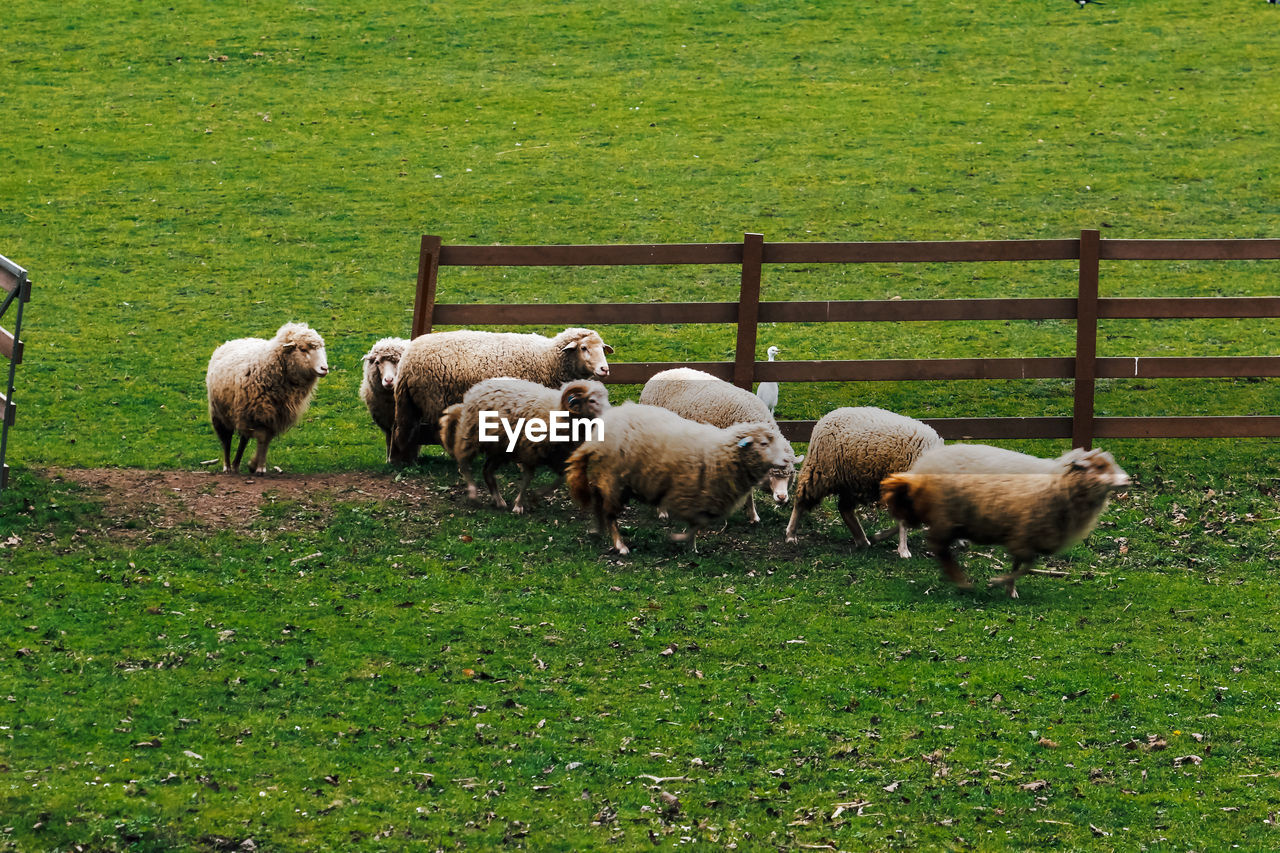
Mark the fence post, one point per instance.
(1086, 341)
(424, 302)
(744, 363)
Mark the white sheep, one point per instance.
(1029, 505)
(850, 451)
(695, 471)
(437, 369)
(259, 388)
(518, 403)
(699, 396)
(768, 391)
(377, 389)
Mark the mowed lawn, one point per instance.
(379, 664)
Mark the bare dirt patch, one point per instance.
(141, 500)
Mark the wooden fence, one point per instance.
(753, 253)
(15, 290)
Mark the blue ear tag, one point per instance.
(744, 442)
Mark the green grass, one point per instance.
(180, 174)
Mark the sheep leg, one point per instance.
(950, 567)
(403, 430)
(491, 465)
(224, 437)
(259, 463)
(901, 531)
(1020, 568)
(550, 490)
(845, 503)
(753, 516)
(468, 476)
(616, 535)
(390, 445)
(802, 505)
(526, 477)
(235, 463)
(691, 535)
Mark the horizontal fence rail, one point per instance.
(752, 254)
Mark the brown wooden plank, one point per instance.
(897, 310)
(10, 348)
(1190, 250)
(8, 411)
(965, 429)
(1195, 307)
(425, 296)
(586, 314)
(614, 255)
(639, 372)
(905, 369)
(1086, 341)
(748, 311)
(1223, 426)
(920, 252)
(1166, 367)
(8, 280)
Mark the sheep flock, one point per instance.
(693, 446)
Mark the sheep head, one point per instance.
(382, 362)
(761, 445)
(1096, 468)
(585, 350)
(303, 351)
(584, 398)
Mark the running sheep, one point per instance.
(259, 388)
(850, 451)
(437, 369)
(1032, 506)
(701, 397)
(511, 411)
(694, 471)
(377, 389)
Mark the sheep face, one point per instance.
(586, 351)
(760, 446)
(304, 352)
(1097, 468)
(584, 399)
(779, 479)
(381, 370)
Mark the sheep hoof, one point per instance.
(622, 550)
(904, 553)
(792, 539)
(517, 509)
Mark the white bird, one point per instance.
(768, 391)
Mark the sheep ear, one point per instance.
(288, 346)
(572, 345)
(745, 441)
(799, 459)
(608, 350)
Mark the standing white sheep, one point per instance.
(437, 369)
(768, 391)
(259, 388)
(694, 471)
(850, 451)
(699, 396)
(377, 389)
(1031, 506)
(519, 403)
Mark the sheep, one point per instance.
(514, 401)
(377, 389)
(850, 451)
(768, 391)
(702, 397)
(697, 472)
(1031, 506)
(437, 369)
(259, 388)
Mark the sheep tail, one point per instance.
(449, 428)
(575, 477)
(904, 495)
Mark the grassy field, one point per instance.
(389, 667)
